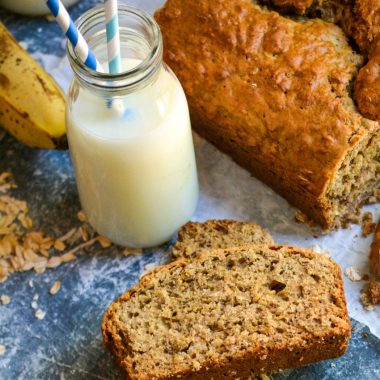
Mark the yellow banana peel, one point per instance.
(32, 106)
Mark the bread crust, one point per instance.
(260, 358)
(360, 19)
(262, 92)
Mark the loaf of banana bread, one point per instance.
(276, 94)
(229, 314)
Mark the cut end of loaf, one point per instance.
(230, 313)
(356, 180)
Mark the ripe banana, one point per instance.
(32, 106)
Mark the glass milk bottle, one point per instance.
(130, 136)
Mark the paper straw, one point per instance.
(74, 36)
(113, 37)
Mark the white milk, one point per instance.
(136, 174)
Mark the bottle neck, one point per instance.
(140, 45)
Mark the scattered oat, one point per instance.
(30, 283)
(5, 299)
(84, 233)
(368, 226)
(55, 288)
(103, 241)
(22, 250)
(128, 251)
(36, 297)
(81, 216)
(59, 245)
(68, 257)
(332, 365)
(39, 314)
(2, 350)
(54, 262)
(68, 235)
(353, 274)
(34, 305)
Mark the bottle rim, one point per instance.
(128, 79)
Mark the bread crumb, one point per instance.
(350, 219)
(2, 350)
(300, 217)
(39, 314)
(332, 365)
(370, 295)
(34, 305)
(353, 274)
(5, 299)
(55, 288)
(368, 226)
(35, 297)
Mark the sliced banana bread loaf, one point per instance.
(275, 94)
(194, 237)
(229, 314)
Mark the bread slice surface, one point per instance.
(230, 314)
(195, 237)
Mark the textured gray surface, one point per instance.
(66, 344)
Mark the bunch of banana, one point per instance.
(32, 106)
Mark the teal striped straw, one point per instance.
(113, 36)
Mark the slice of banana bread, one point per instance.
(194, 237)
(230, 314)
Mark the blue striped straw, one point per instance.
(113, 37)
(74, 36)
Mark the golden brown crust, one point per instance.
(269, 91)
(360, 19)
(374, 256)
(367, 86)
(260, 357)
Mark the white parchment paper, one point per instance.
(229, 191)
